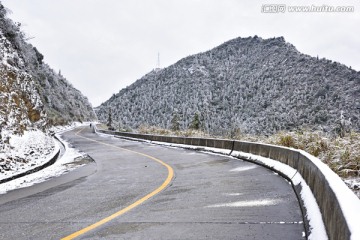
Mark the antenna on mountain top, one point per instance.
(158, 63)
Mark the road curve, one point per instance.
(144, 191)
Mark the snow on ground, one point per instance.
(354, 184)
(34, 148)
(261, 202)
(241, 169)
(71, 160)
(65, 164)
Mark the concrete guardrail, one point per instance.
(333, 217)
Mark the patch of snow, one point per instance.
(316, 224)
(232, 194)
(263, 202)
(283, 168)
(242, 169)
(354, 184)
(217, 150)
(60, 167)
(34, 148)
(67, 162)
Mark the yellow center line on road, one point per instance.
(131, 206)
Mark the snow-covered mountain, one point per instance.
(32, 95)
(249, 84)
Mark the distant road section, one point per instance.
(144, 191)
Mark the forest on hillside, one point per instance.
(251, 85)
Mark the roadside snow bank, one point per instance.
(71, 160)
(34, 148)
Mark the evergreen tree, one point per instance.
(195, 124)
(175, 125)
(109, 123)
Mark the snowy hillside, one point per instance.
(32, 149)
(31, 93)
(20, 103)
(32, 98)
(252, 85)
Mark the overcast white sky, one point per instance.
(102, 46)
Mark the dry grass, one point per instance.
(101, 126)
(143, 129)
(341, 154)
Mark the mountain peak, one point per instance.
(253, 84)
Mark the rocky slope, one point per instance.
(252, 85)
(32, 95)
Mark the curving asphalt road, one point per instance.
(193, 195)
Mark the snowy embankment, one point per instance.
(23, 153)
(34, 149)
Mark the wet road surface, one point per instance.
(209, 197)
